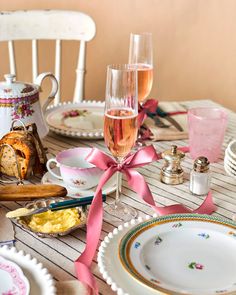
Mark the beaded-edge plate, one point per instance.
(115, 273)
(78, 120)
(41, 282)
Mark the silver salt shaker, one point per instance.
(200, 177)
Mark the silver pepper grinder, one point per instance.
(172, 172)
(200, 177)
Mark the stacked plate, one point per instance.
(173, 254)
(230, 159)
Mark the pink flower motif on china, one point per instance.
(7, 90)
(78, 181)
(74, 113)
(77, 195)
(10, 292)
(22, 110)
(194, 265)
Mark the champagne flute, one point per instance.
(120, 126)
(141, 55)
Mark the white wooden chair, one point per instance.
(55, 25)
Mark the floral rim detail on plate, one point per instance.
(79, 120)
(13, 280)
(41, 282)
(181, 253)
(116, 275)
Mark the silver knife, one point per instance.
(170, 119)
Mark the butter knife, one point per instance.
(80, 202)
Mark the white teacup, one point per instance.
(74, 169)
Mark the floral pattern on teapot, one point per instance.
(22, 109)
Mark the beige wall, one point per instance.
(194, 45)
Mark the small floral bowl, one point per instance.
(58, 222)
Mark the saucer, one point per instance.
(73, 192)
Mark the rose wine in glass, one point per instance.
(120, 127)
(145, 78)
(141, 55)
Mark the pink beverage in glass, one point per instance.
(120, 131)
(145, 79)
(206, 127)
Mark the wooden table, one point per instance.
(58, 254)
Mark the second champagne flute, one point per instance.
(120, 126)
(141, 55)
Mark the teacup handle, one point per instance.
(54, 89)
(50, 170)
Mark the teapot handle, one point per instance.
(54, 89)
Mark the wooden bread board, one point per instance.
(29, 192)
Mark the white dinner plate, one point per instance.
(40, 281)
(79, 120)
(220, 231)
(72, 192)
(111, 268)
(12, 278)
(182, 254)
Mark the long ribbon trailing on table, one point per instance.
(136, 181)
(149, 106)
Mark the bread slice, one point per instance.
(24, 153)
(31, 135)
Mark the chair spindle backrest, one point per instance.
(55, 25)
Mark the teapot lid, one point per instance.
(15, 89)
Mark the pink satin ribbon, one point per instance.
(149, 106)
(136, 181)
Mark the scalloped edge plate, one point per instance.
(178, 254)
(93, 129)
(41, 282)
(12, 278)
(111, 267)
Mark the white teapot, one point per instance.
(20, 100)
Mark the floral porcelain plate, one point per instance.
(13, 280)
(79, 120)
(40, 281)
(182, 254)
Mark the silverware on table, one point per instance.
(81, 202)
(159, 123)
(169, 118)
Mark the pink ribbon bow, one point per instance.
(136, 181)
(149, 106)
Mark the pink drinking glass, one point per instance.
(206, 127)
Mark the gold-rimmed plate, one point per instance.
(182, 254)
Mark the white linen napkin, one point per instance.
(170, 133)
(7, 234)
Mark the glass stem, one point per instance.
(118, 187)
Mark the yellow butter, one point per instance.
(54, 221)
(18, 212)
